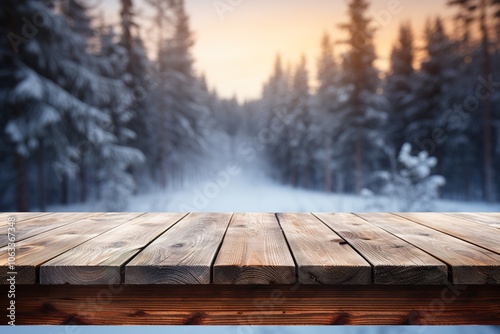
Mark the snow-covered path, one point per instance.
(256, 194)
(243, 196)
(236, 184)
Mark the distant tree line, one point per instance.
(358, 118)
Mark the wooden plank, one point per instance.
(322, 256)
(480, 235)
(101, 259)
(490, 219)
(33, 252)
(182, 255)
(394, 261)
(4, 216)
(21, 216)
(258, 305)
(468, 263)
(42, 224)
(254, 251)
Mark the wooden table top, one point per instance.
(253, 248)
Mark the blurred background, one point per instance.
(172, 105)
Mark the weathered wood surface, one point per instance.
(469, 264)
(258, 305)
(254, 269)
(100, 260)
(322, 256)
(490, 219)
(254, 252)
(394, 261)
(204, 248)
(20, 216)
(182, 255)
(483, 236)
(25, 228)
(33, 252)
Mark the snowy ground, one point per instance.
(241, 183)
(246, 196)
(243, 193)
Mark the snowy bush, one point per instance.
(412, 188)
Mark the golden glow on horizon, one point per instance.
(236, 52)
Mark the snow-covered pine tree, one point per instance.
(275, 104)
(276, 91)
(162, 20)
(112, 161)
(361, 108)
(58, 102)
(40, 101)
(464, 18)
(228, 120)
(398, 87)
(13, 178)
(140, 79)
(496, 19)
(116, 181)
(180, 95)
(478, 11)
(128, 24)
(432, 90)
(495, 67)
(327, 99)
(77, 16)
(460, 152)
(412, 188)
(302, 140)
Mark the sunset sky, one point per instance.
(236, 48)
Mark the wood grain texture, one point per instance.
(3, 218)
(490, 219)
(469, 264)
(42, 224)
(484, 236)
(20, 216)
(322, 256)
(33, 252)
(394, 261)
(182, 255)
(101, 259)
(254, 251)
(258, 305)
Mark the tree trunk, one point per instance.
(83, 182)
(21, 181)
(41, 179)
(358, 165)
(489, 175)
(64, 189)
(328, 170)
(163, 153)
(466, 177)
(160, 17)
(293, 176)
(339, 182)
(306, 177)
(21, 193)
